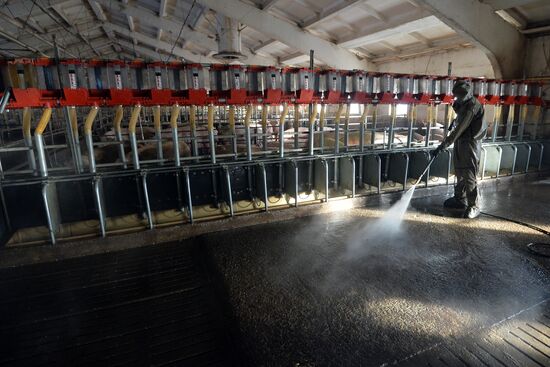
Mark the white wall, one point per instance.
(469, 62)
(538, 57)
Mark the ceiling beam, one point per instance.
(503, 44)
(162, 8)
(330, 12)
(166, 47)
(405, 23)
(263, 45)
(288, 34)
(446, 43)
(99, 43)
(150, 53)
(132, 28)
(420, 38)
(161, 45)
(173, 27)
(17, 23)
(389, 46)
(294, 59)
(268, 4)
(100, 15)
(13, 38)
(373, 12)
(168, 25)
(507, 4)
(61, 14)
(195, 22)
(162, 14)
(513, 17)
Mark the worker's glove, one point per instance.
(439, 149)
(452, 124)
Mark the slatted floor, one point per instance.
(521, 341)
(148, 306)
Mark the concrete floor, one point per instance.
(338, 289)
(327, 290)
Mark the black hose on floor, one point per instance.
(538, 248)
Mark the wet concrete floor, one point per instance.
(338, 290)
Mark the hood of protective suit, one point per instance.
(462, 91)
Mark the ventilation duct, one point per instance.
(229, 39)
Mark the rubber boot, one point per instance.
(472, 212)
(454, 203)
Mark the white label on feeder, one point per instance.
(72, 80)
(195, 81)
(237, 81)
(273, 82)
(158, 81)
(118, 81)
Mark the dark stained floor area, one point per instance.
(149, 306)
(342, 289)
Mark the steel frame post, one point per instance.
(510, 122)
(146, 198)
(189, 195)
(99, 205)
(229, 190)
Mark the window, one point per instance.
(354, 109)
(401, 110)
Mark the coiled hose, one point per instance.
(538, 248)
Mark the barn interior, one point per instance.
(261, 183)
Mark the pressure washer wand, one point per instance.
(425, 170)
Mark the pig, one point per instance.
(149, 151)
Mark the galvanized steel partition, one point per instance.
(95, 168)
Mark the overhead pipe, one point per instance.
(88, 124)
